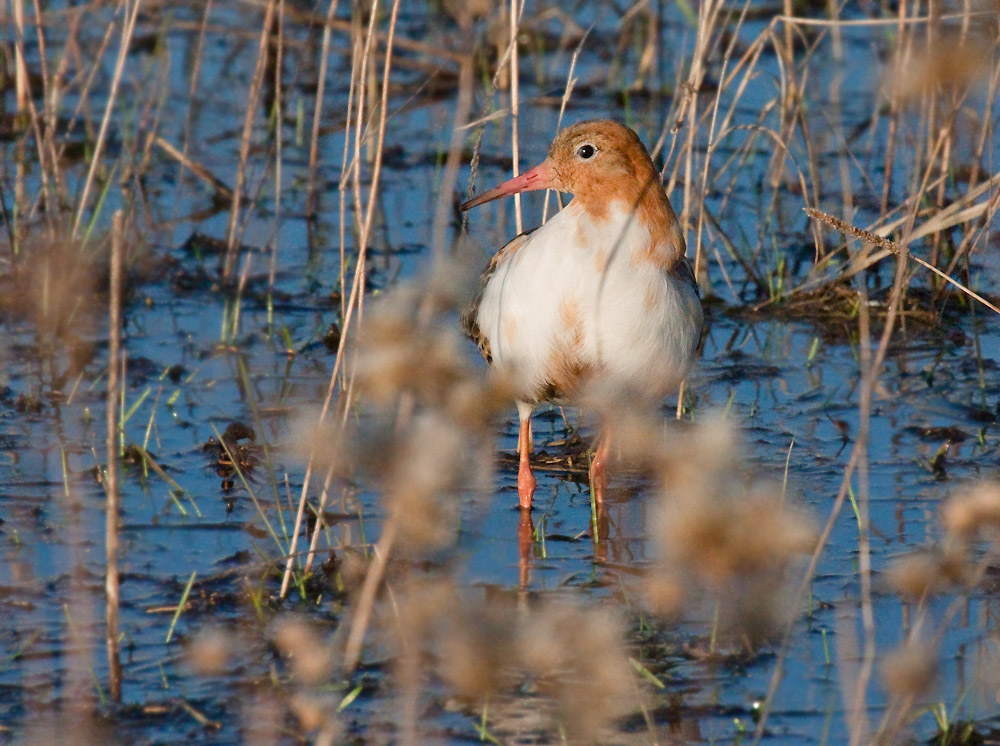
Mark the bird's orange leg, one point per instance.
(599, 468)
(525, 479)
(525, 540)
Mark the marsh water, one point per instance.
(789, 380)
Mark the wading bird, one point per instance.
(601, 295)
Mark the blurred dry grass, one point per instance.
(405, 410)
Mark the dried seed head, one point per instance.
(352, 570)
(910, 670)
(952, 62)
(701, 460)
(973, 511)
(486, 646)
(717, 535)
(477, 403)
(451, 283)
(399, 356)
(323, 444)
(314, 711)
(410, 343)
(56, 287)
(209, 651)
(916, 576)
(310, 656)
(434, 459)
(921, 574)
(476, 655)
(578, 656)
(665, 593)
(719, 538)
(425, 605)
(638, 431)
(465, 11)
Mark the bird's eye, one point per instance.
(586, 151)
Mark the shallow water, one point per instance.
(790, 384)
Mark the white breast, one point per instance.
(581, 298)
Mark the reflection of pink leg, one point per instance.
(599, 469)
(599, 527)
(525, 479)
(525, 538)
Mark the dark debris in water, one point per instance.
(966, 733)
(201, 245)
(236, 451)
(193, 280)
(331, 339)
(936, 434)
(738, 366)
(568, 456)
(834, 308)
(28, 404)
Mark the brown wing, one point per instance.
(470, 316)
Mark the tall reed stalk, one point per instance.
(113, 505)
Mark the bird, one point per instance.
(602, 295)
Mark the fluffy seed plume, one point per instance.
(306, 650)
(910, 671)
(716, 534)
(973, 511)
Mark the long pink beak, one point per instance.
(540, 177)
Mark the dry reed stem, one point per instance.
(463, 108)
(365, 602)
(355, 300)
(474, 163)
(218, 186)
(515, 19)
(360, 80)
(360, 275)
(279, 58)
(111, 451)
(402, 42)
(182, 157)
(985, 136)
(26, 107)
(891, 247)
(331, 387)
(903, 21)
(22, 89)
(857, 713)
(128, 29)
(567, 92)
(256, 83)
(960, 211)
(82, 108)
(318, 112)
(966, 517)
(746, 64)
(870, 377)
(50, 98)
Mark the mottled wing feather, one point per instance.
(470, 316)
(685, 271)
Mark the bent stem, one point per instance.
(366, 599)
